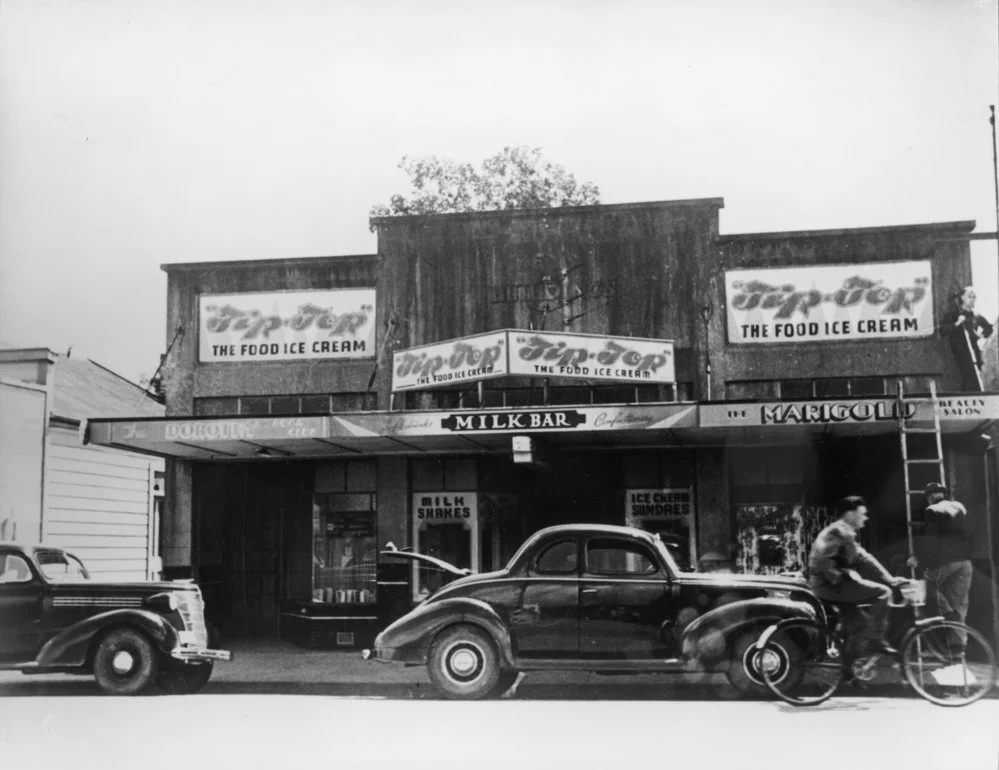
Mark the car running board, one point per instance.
(598, 666)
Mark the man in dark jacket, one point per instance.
(946, 552)
(966, 330)
(842, 572)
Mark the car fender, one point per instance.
(709, 636)
(411, 636)
(71, 646)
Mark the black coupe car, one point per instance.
(55, 619)
(595, 598)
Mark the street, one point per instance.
(276, 702)
(263, 730)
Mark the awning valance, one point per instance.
(489, 430)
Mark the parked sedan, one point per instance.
(595, 598)
(55, 619)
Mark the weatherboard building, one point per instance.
(484, 375)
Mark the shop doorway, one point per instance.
(242, 514)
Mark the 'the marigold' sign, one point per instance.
(826, 303)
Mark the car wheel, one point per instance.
(185, 678)
(463, 663)
(744, 664)
(125, 662)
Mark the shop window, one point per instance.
(426, 400)
(867, 386)
(493, 398)
(345, 548)
(832, 388)
(792, 390)
(316, 404)
(216, 407)
(255, 405)
(614, 394)
(916, 384)
(750, 391)
(561, 395)
(353, 402)
(286, 405)
(524, 396)
(558, 559)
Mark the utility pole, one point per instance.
(989, 529)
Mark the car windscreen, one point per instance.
(61, 566)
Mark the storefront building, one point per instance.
(485, 375)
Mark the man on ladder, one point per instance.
(966, 330)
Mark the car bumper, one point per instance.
(394, 655)
(199, 656)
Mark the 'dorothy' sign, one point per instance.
(280, 326)
(825, 303)
(535, 354)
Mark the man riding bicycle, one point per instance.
(833, 566)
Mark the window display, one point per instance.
(668, 511)
(445, 526)
(345, 549)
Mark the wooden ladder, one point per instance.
(910, 463)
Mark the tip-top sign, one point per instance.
(287, 325)
(468, 359)
(828, 303)
(534, 354)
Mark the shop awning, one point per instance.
(464, 431)
(472, 431)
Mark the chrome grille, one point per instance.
(192, 612)
(97, 601)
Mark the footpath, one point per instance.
(271, 665)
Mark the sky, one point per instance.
(137, 133)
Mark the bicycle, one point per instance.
(804, 661)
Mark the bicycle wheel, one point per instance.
(942, 671)
(801, 662)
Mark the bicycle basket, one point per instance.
(914, 593)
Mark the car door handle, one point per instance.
(589, 591)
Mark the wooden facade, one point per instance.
(242, 522)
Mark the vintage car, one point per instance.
(596, 598)
(55, 619)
